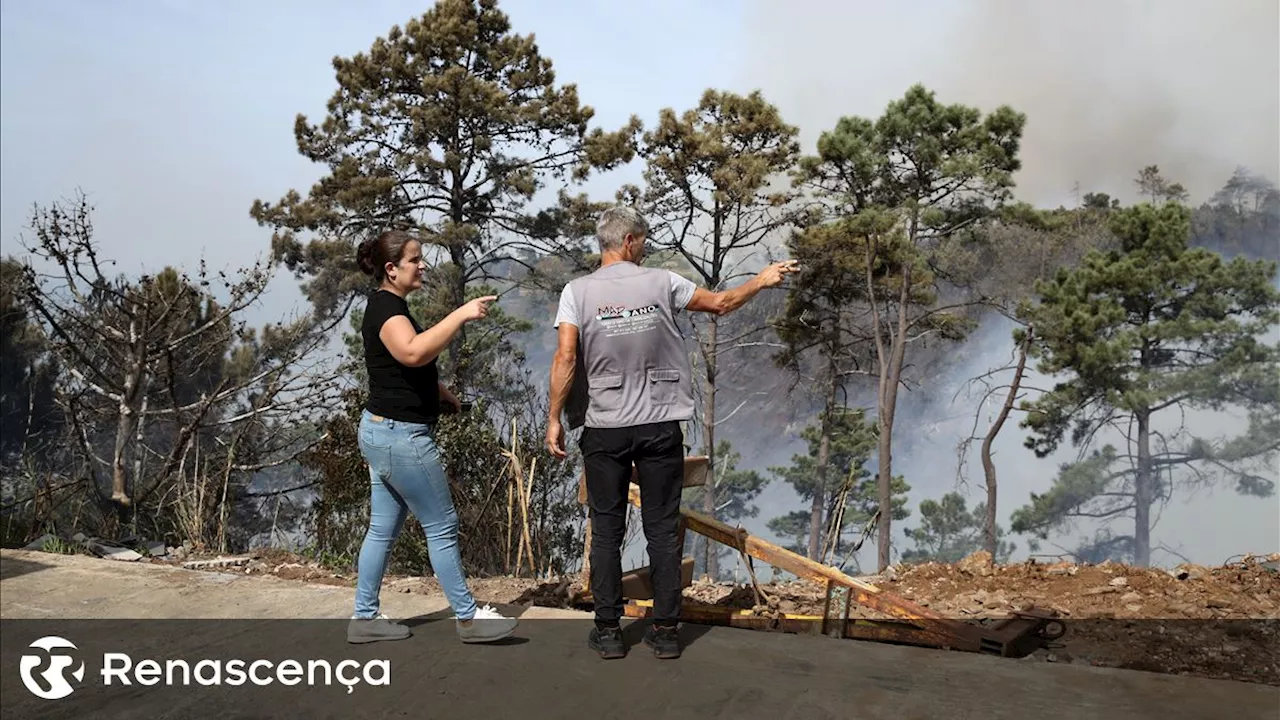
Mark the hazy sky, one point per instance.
(174, 116)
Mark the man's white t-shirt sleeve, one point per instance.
(568, 310)
(682, 290)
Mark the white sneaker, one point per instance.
(487, 625)
(366, 630)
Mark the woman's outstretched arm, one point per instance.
(417, 349)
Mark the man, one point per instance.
(634, 378)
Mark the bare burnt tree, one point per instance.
(161, 378)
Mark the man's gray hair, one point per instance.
(616, 223)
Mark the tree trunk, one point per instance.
(1143, 494)
(820, 471)
(989, 540)
(890, 378)
(125, 424)
(710, 562)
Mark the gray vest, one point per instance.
(633, 368)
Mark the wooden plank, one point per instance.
(695, 475)
(949, 632)
(638, 585)
(884, 631)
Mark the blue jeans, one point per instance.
(405, 475)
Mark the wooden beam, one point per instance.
(876, 631)
(862, 593)
(948, 633)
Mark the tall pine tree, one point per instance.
(1148, 331)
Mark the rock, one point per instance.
(112, 552)
(1187, 571)
(216, 562)
(38, 543)
(79, 538)
(178, 553)
(976, 563)
(1063, 569)
(1102, 590)
(986, 599)
(1218, 602)
(1131, 597)
(157, 549)
(1120, 581)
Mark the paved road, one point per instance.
(545, 672)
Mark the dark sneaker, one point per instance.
(607, 642)
(665, 641)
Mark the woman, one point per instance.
(397, 430)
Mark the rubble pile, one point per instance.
(976, 589)
(1217, 622)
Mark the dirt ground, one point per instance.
(1219, 622)
(1215, 622)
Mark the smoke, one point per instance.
(1206, 525)
(1108, 87)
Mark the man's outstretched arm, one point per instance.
(562, 367)
(726, 301)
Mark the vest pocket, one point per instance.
(664, 386)
(606, 391)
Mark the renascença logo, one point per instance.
(55, 684)
(119, 668)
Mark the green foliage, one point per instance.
(849, 483)
(853, 440)
(1243, 218)
(939, 164)
(1152, 324)
(736, 489)
(736, 492)
(1150, 327)
(449, 125)
(949, 531)
(907, 183)
(707, 179)
(1152, 185)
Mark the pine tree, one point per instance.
(1150, 330)
(450, 126)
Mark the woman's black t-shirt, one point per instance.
(407, 394)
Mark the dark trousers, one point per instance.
(658, 454)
